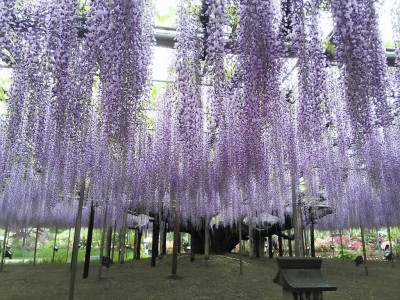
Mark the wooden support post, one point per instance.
(312, 239)
(127, 244)
(192, 233)
(239, 224)
(251, 239)
(390, 244)
(364, 250)
(36, 242)
(103, 235)
(154, 244)
(3, 252)
(341, 244)
(119, 244)
(270, 247)
(297, 223)
(180, 242)
(206, 241)
(164, 239)
(113, 242)
(89, 242)
(306, 246)
(175, 245)
(54, 245)
(261, 245)
(162, 230)
(25, 230)
(256, 243)
(74, 259)
(109, 241)
(290, 248)
(139, 248)
(69, 237)
(122, 238)
(280, 245)
(137, 243)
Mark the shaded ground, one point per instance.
(220, 280)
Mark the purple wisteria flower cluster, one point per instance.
(254, 104)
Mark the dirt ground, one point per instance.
(219, 280)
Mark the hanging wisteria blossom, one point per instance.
(256, 116)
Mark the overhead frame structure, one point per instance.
(166, 36)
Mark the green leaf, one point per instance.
(389, 44)
(166, 18)
(328, 46)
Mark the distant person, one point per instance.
(388, 253)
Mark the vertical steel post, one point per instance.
(3, 252)
(89, 242)
(36, 242)
(175, 244)
(55, 243)
(74, 259)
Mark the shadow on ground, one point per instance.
(219, 280)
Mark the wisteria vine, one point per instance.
(252, 105)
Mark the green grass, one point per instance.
(45, 254)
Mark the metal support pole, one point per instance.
(390, 244)
(164, 239)
(109, 241)
(298, 232)
(113, 242)
(341, 244)
(154, 244)
(270, 247)
(364, 250)
(36, 241)
(103, 234)
(127, 243)
(280, 245)
(239, 222)
(180, 242)
(206, 241)
(290, 248)
(312, 239)
(122, 238)
(175, 245)
(74, 259)
(192, 254)
(138, 243)
(69, 237)
(3, 252)
(251, 239)
(89, 242)
(261, 245)
(55, 243)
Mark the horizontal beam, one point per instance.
(166, 36)
(167, 40)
